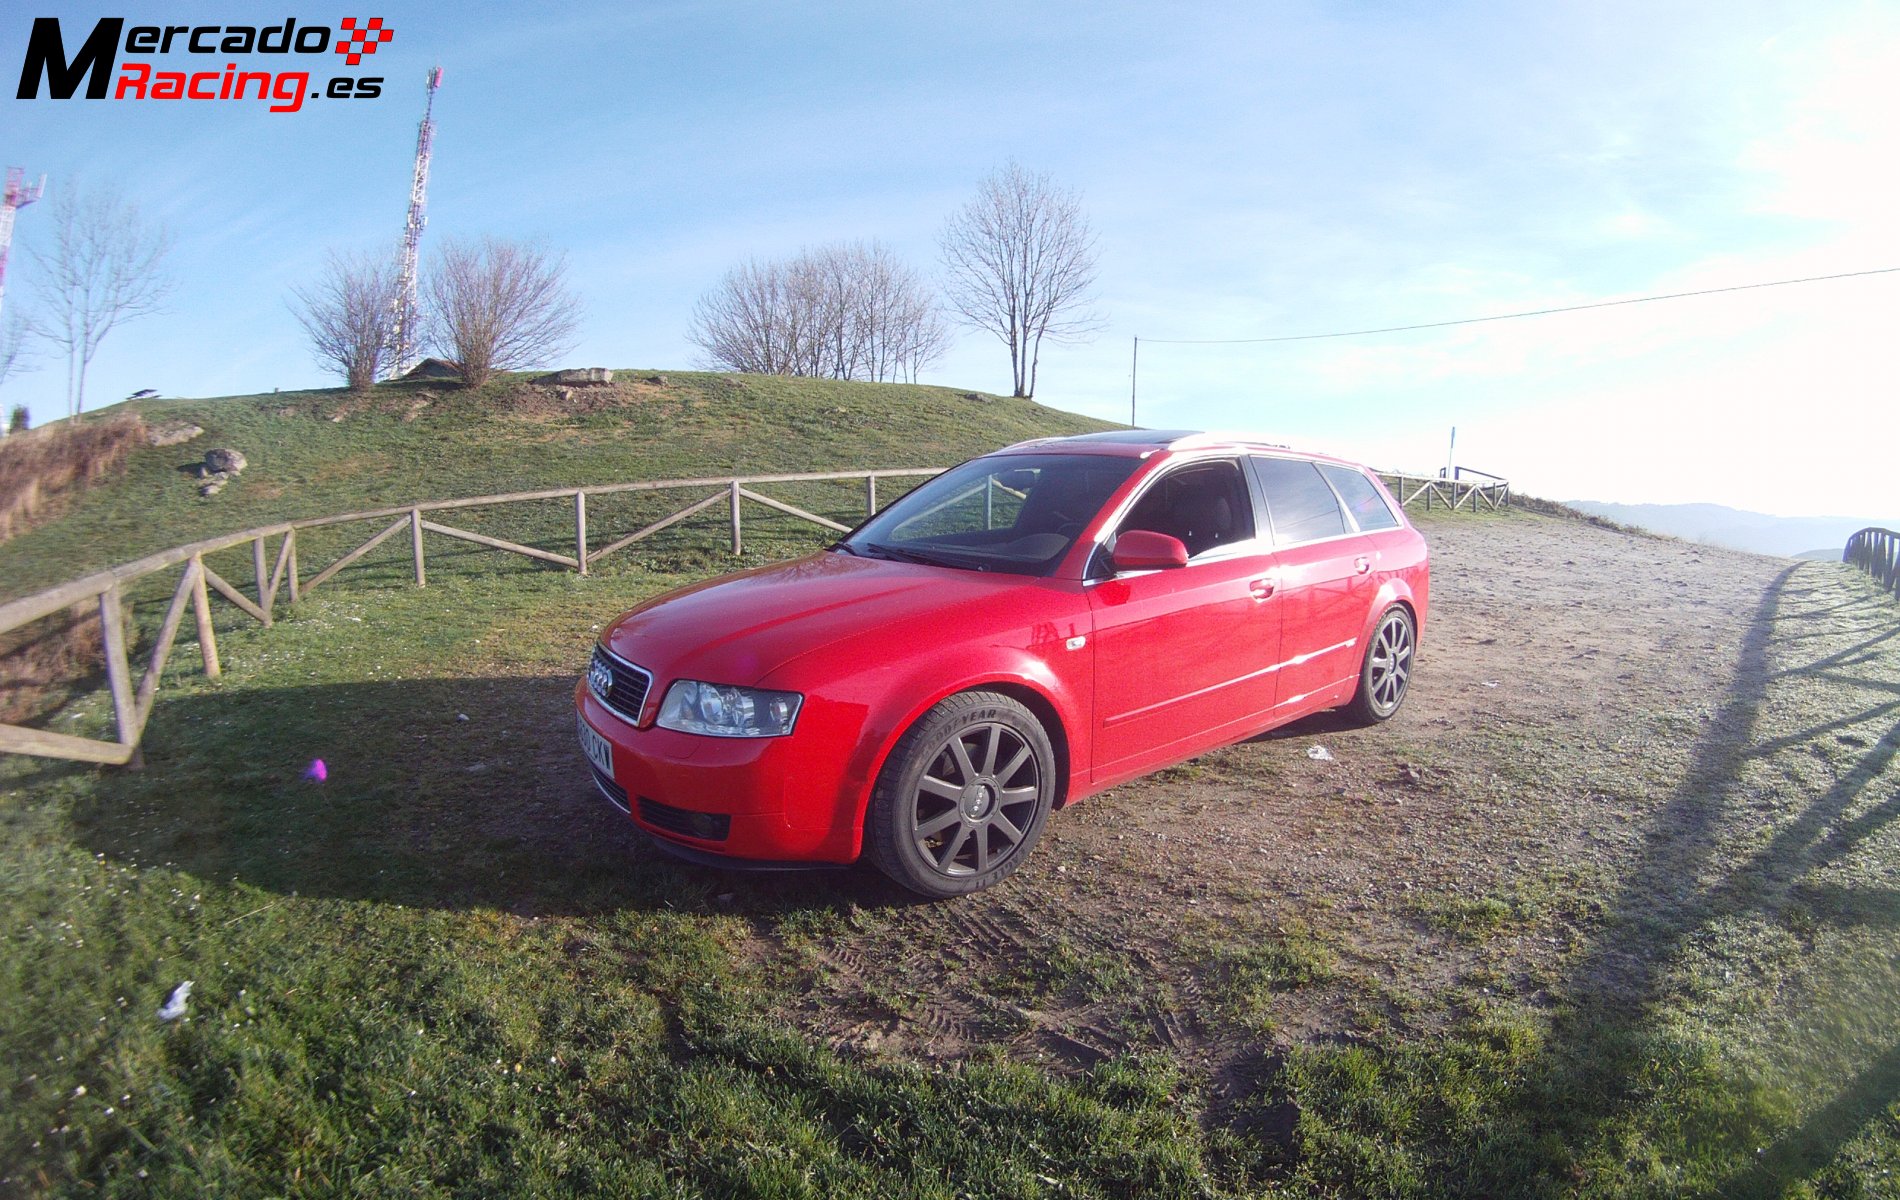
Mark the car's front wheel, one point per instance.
(963, 797)
(1386, 673)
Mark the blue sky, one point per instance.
(1252, 170)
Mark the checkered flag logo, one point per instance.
(353, 43)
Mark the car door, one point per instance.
(1322, 576)
(1184, 656)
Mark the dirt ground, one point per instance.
(1564, 675)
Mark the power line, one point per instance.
(1536, 312)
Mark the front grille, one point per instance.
(618, 684)
(616, 795)
(709, 827)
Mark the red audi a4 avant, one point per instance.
(1019, 632)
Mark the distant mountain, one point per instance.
(1719, 525)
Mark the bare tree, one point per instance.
(496, 305)
(14, 356)
(1021, 265)
(350, 316)
(849, 311)
(105, 268)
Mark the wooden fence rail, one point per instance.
(280, 575)
(132, 700)
(1453, 491)
(1877, 552)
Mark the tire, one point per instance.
(964, 796)
(1386, 674)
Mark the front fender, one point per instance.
(893, 697)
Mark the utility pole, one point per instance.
(1134, 369)
(405, 335)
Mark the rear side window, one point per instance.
(1362, 499)
(1303, 506)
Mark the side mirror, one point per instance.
(1146, 550)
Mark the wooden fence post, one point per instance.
(580, 529)
(294, 586)
(201, 606)
(738, 546)
(263, 577)
(118, 669)
(415, 545)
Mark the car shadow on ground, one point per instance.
(1679, 891)
(443, 793)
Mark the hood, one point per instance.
(739, 628)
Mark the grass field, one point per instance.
(1647, 943)
(316, 453)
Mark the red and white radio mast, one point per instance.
(405, 337)
(17, 196)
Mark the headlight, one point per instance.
(720, 711)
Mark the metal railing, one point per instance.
(279, 574)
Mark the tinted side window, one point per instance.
(1303, 507)
(1362, 499)
(1205, 505)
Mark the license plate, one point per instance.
(598, 749)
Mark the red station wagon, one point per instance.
(1019, 632)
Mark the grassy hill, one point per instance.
(320, 452)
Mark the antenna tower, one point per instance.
(17, 196)
(405, 336)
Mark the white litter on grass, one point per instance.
(1319, 754)
(1490, 682)
(175, 1003)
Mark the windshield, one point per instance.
(1018, 513)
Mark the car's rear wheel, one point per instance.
(1387, 672)
(963, 797)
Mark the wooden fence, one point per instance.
(279, 574)
(1877, 552)
(1453, 491)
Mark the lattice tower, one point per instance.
(16, 197)
(405, 334)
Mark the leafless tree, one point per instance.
(1020, 258)
(14, 356)
(496, 305)
(849, 311)
(105, 267)
(349, 315)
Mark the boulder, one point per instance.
(577, 375)
(171, 433)
(224, 461)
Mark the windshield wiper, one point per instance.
(844, 546)
(904, 554)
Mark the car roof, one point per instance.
(1140, 443)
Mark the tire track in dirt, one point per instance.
(1563, 672)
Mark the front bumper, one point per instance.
(778, 803)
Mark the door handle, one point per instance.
(1362, 564)
(1261, 588)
